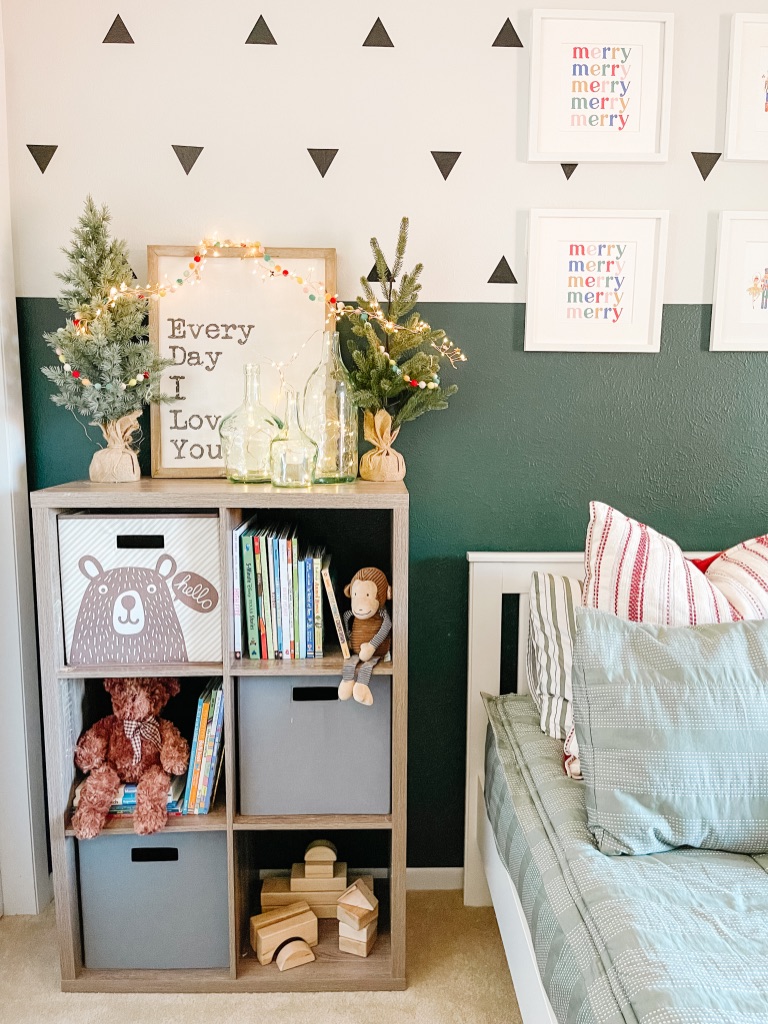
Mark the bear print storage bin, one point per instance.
(140, 589)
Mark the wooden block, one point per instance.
(318, 870)
(336, 883)
(359, 895)
(358, 934)
(356, 917)
(320, 850)
(276, 892)
(358, 948)
(294, 954)
(271, 929)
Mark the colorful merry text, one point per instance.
(600, 85)
(596, 277)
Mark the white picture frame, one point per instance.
(242, 311)
(746, 123)
(606, 294)
(618, 113)
(740, 300)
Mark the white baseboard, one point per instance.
(434, 878)
(415, 878)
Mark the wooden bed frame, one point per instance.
(486, 879)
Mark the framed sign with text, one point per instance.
(270, 311)
(600, 86)
(595, 280)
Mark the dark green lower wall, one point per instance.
(678, 439)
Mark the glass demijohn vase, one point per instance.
(293, 454)
(247, 433)
(330, 416)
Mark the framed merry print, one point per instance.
(595, 280)
(746, 132)
(600, 86)
(740, 303)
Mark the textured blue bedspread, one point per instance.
(670, 938)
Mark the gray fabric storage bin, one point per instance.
(304, 751)
(155, 901)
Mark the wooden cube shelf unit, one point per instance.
(332, 970)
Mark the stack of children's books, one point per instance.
(277, 593)
(125, 801)
(207, 753)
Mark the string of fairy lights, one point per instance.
(192, 274)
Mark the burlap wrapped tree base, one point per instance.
(383, 462)
(117, 463)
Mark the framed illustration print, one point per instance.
(600, 86)
(271, 311)
(746, 131)
(740, 302)
(595, 280)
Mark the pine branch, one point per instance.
(404, 377)
(102, 344)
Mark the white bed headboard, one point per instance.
(491, 575)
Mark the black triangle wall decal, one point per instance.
(260, 33)
(187, 156)
(503, 273)
(568, 170)
(705, 162)
(507, 36)
(445, 160)
(118, 33)
(378, 36)
(42, 155)
(374, 278)
(323, 158)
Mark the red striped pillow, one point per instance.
(641, 575)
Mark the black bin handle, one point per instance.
(152, 854)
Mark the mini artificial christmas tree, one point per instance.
(108, 372)
(395, 375)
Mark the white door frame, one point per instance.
(26, 887)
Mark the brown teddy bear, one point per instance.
(132, 745)
(369, 637)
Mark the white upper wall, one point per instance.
(115, 111)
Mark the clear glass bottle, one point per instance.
(247, 433)
(293, 455)
(330, 416)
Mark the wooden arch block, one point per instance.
(320, 851)
(294, 954)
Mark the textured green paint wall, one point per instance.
(678, 439)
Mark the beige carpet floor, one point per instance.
(457, 974)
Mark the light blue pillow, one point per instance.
(672, 724)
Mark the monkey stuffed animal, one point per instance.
(369, 637)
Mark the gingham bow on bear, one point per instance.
(136, 731)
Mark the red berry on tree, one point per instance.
(75, 373)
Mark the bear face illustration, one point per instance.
(127, 616)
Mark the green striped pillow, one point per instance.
(551, 632)
(672, 724)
